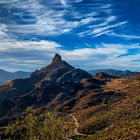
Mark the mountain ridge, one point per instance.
(7, 76)
(114, 72)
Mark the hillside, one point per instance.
(102, 107)
(52, 84)
(115, 118)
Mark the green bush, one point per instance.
(49, 126)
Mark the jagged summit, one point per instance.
(57, 58)
(60, 70)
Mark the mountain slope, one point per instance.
(117, 120)
(57, 80)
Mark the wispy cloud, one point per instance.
(63, 2)
(104, 28)
(105, 56)
(7, 1)
(55, 22)
(58, 17)
(36, 54)
(125, 36)
(10, 45)
(52, 22)
(3, 30)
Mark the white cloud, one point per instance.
(3, 30)
(48, 25)
(122, 46)
(42, 45)
(63, 2)
(29, 55)
(126, 62)
(100, 51)
(99, 30)
(105, 27)
(48, 21)
(104, 56)
(125, 36)
(26, 55)
(45, 23)
(102, 33)
(8, 1)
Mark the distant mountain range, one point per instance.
(7, 76)
(113, 72)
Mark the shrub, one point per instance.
(49, 126)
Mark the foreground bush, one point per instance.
(49, 126)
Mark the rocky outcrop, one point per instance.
(102, 75)
(60, 71)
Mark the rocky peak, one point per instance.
(57, 59)
(60, 71)
(102, 75)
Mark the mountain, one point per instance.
(57, 80)
(113, 72)
(7, 76)
(60, 71)
(100, 107)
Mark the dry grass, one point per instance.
(115, 121)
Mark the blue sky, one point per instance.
(89, 34)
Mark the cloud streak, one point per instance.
(45, 18)
(30, 55)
